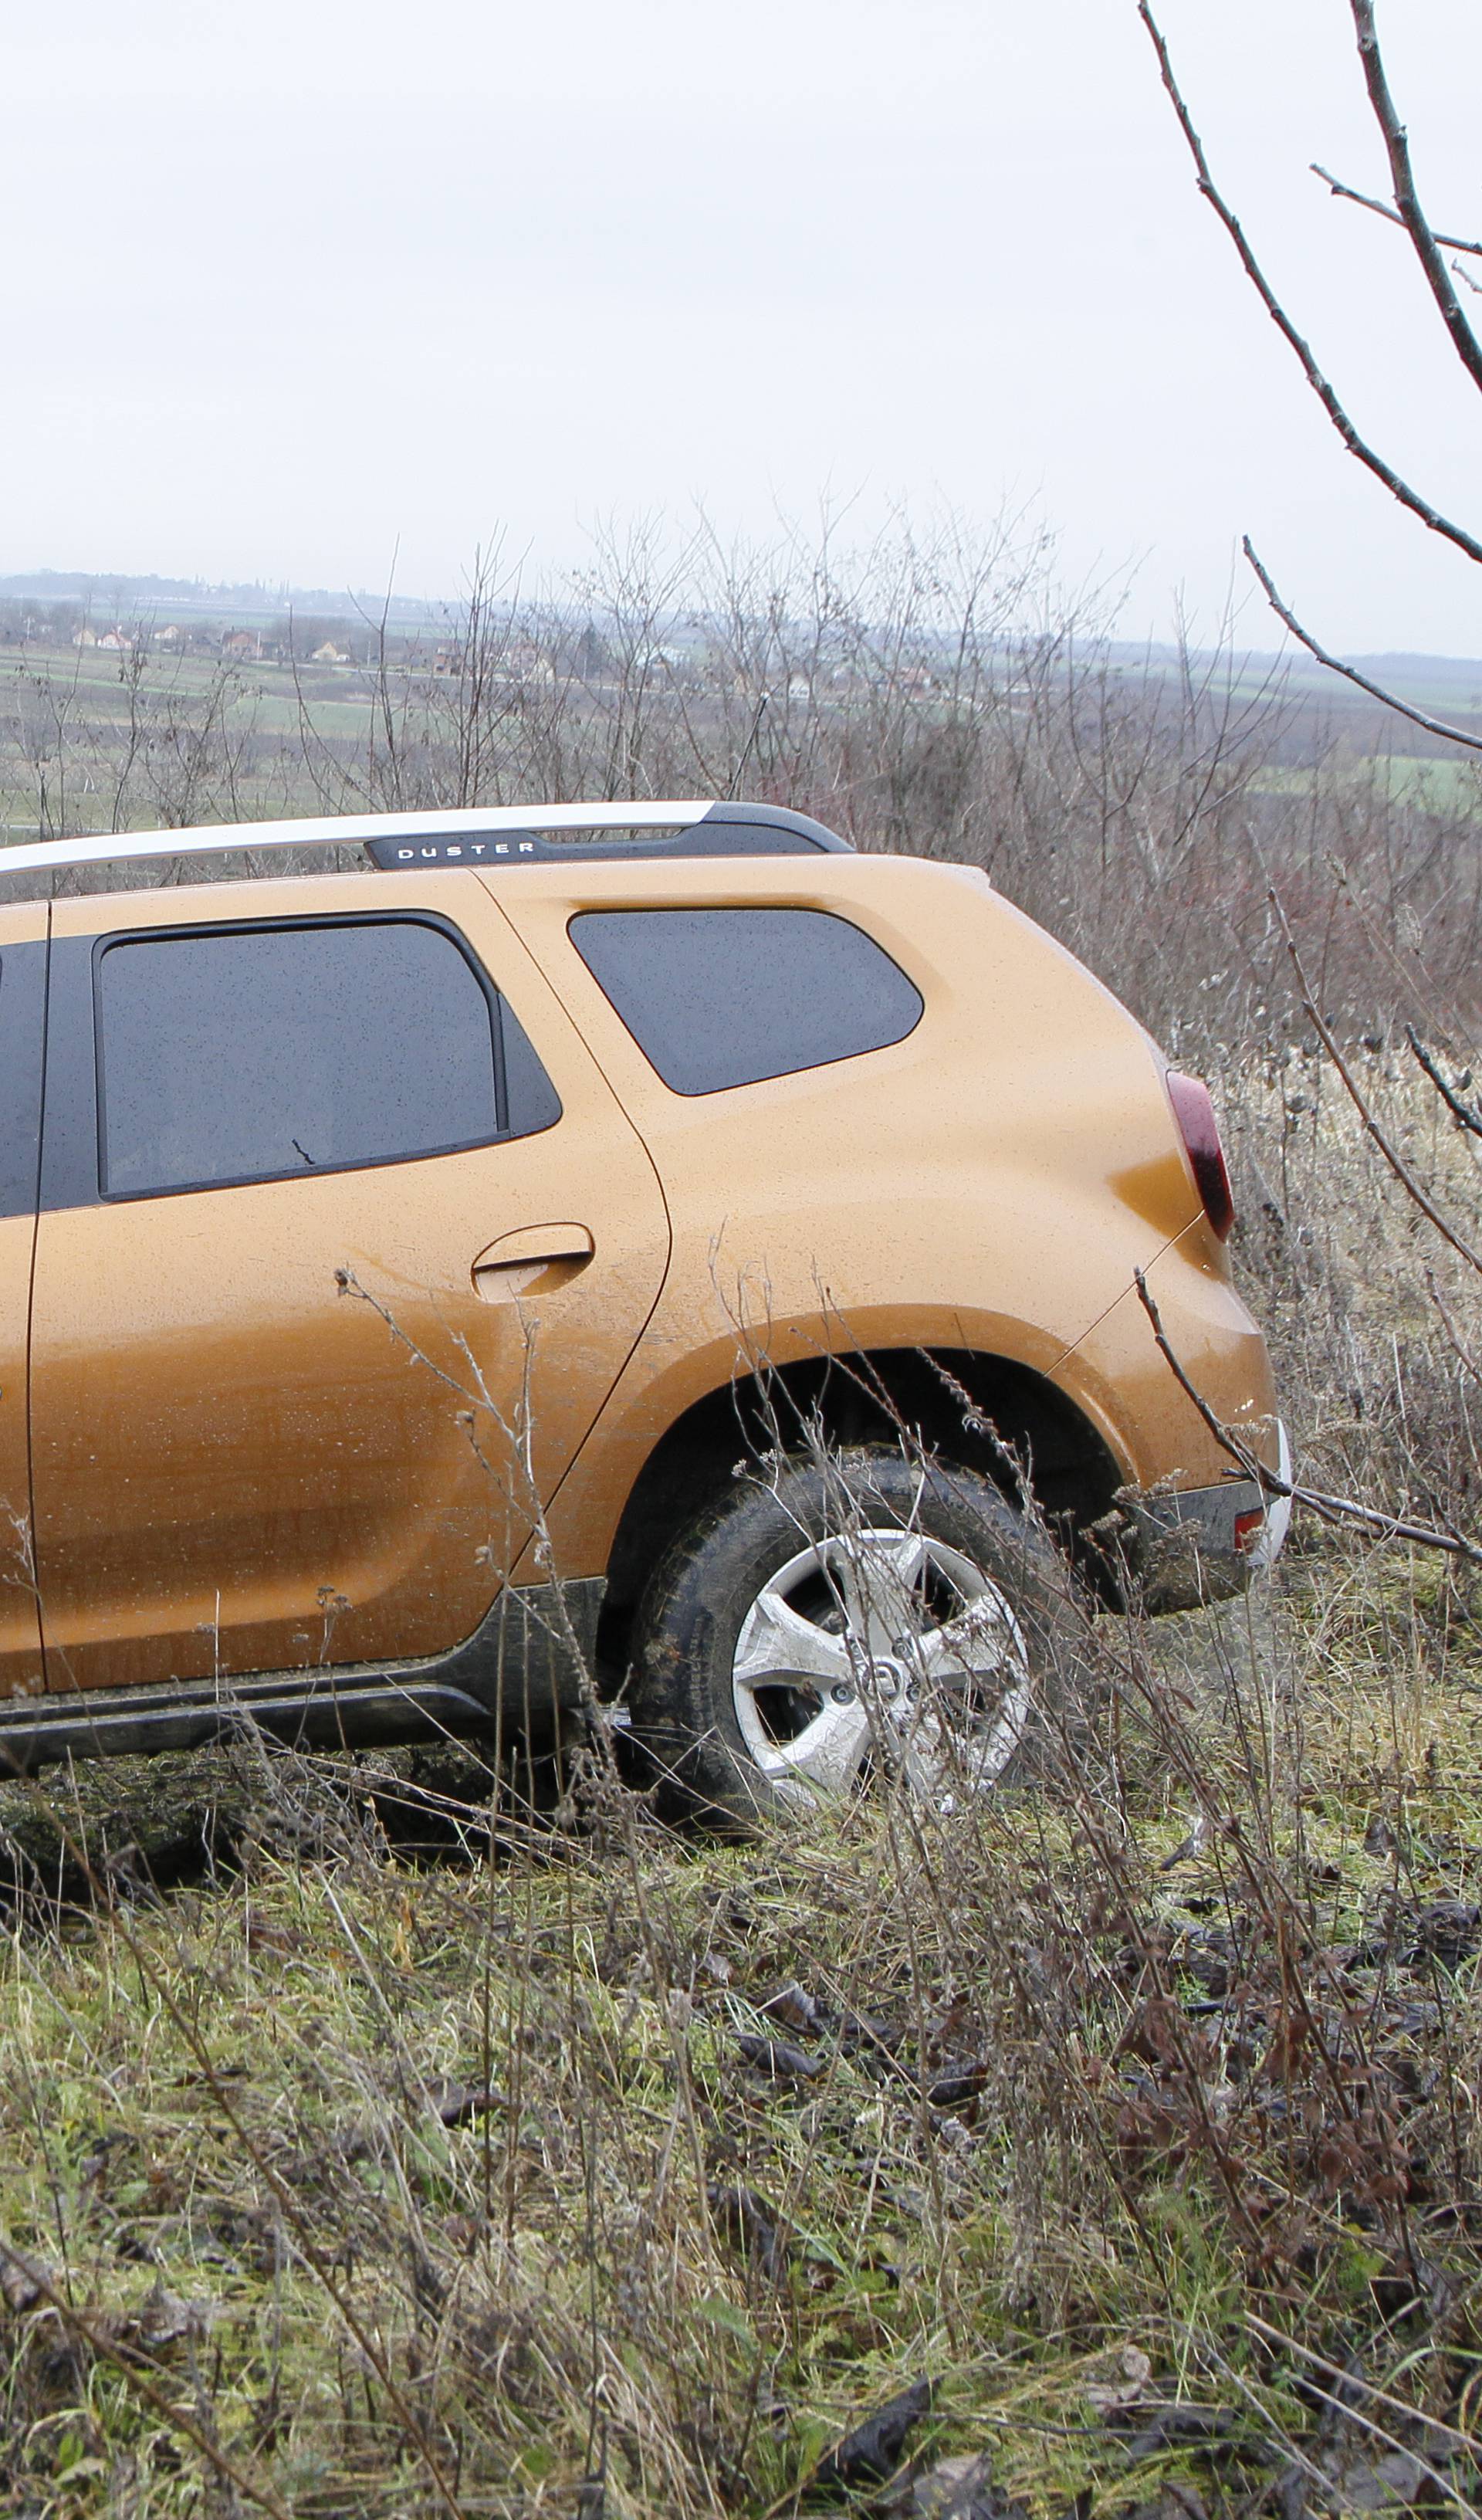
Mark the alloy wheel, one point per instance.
(880, 1647)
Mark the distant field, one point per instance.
(1447, 785)
(207, 740)
(64, 724)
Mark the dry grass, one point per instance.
(617, 2173)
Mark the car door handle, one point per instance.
(533, 1256)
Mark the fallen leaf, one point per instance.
(163, 2318)
(794, 2007)
(1379, 2484)
(860, 2030)
(457, 2102)
(1451, 1929)
(1168, 2425)
(1113, 2397)
(872, 2449)
(774, 2056)
(24, 2282)
(953, 2089)
(956, 2488)
(1176, 2502)
(749, 2219)
(262, 1936)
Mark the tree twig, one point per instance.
(1355, 2380)
(1432, 261)
(1458, 1109)
(95, 2334)
(1350, 673)
(1327, 1509)
(1460, 1350)
(1391, 1154)
(1357, 446)
(1385, 209)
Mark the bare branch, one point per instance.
(745, 751)
(1458, 1109)
(134, 2367)
(1327, 1509)
(1352, 2380)
(1350, 673)
(1357, 446)
(1458, 1348)
(1366, 201)
(1391, 1154)
(1463, 339)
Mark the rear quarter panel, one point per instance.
(989, 1183)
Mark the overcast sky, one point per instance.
(290, 285)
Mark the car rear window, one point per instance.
(235, 1054)
(716, 998)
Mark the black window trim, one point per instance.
(410, 918)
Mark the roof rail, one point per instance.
(482, 835)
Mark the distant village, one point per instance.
(247, 647)
(143, 626)
(688, 661)
(321, 643)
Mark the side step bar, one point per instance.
(105, 1722)
(528, 1662)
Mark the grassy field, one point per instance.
(202, 738)
(1450, 785)
(343, 2175)
(366, 2148)
(364, 2152)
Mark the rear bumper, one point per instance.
(1199, 1544)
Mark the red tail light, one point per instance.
(1201, 1132)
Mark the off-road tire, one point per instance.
(698, 1596)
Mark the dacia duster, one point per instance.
(642, 1252)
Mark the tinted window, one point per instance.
(726, 996)
(23, 987)
(248, 1053)
(531, 1101)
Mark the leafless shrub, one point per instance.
(931, 692)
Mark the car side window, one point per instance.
(22, 999)
(716, 998)
(255, 1053)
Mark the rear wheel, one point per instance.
(860, 1616)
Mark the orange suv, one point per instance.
(642, 1253)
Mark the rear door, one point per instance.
(344, 1242)
(22, 1005)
